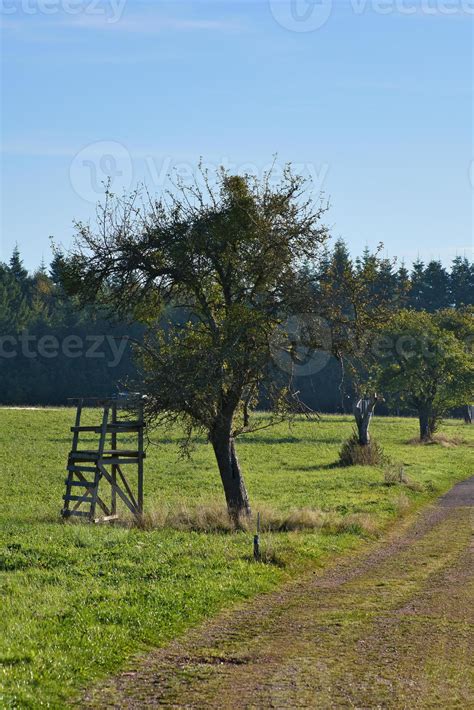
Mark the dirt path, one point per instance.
(390, 629)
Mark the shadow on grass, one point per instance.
(316, 440)
(316, 467)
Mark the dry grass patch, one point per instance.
(213, 518)
(401, 504)
(208, 517)
(447, 442)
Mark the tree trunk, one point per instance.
(363, 431)
(469, 414)
(424, 418)
(231, 476)
(342, 386)
(363, 410)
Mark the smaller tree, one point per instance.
(17, 270)
(355, 300)
(425, 365)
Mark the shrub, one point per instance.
(353, 454)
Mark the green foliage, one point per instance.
(36, 307)
(17, 270)
(462, 282)
(355, 298)
(228, 257)
(432, 287)
(426, 363)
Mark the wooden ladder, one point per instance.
(87, 468)
(79, 474)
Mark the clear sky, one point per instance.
(373, 98)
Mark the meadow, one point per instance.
(78, 600)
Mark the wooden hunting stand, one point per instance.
(95, 466)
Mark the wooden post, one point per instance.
(97, 476)
(103, 431)
(140, 458)
(113, 496)
(256, 541)
(75, 438)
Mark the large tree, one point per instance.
(425, 365)
(226, 258)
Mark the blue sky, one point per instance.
(372, 98)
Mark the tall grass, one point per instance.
(214, 518)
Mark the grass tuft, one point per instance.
(394, 474)
(353, 454)
(208, 518)
(401, 504)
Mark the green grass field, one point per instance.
(78, 600)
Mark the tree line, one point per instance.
(52, 348)
(37, 304)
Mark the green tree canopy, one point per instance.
(425, 365)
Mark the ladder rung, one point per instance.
(86, 484)
(81, 469)
(85, 458)
(82, 498)
(118, 461)
(78, 513)
(126, 453)
(107, 452)
(86, 428)
(119, 427)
